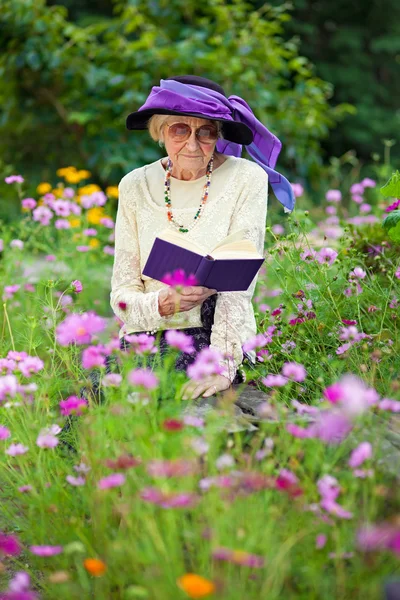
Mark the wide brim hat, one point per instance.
(232, 130)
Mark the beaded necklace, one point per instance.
(167, 195)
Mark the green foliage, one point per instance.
(392, 219)
(392, 187)
(66, 88)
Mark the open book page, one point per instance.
(174, 237)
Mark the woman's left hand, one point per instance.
(207, 387)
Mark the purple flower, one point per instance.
(143, 378)
(72, 405)
(368, 183)
(178, 279)
(107, 222)
(46, 550)
(28, 203)
(79, 329)
(111, 481)
(320, 541)
(4, 432)
(8, 387)
(333, 196)
(360, 454)
(42, 214)
(326, 256)
(179, 340)
(77, 286)
(357, 188)
(358, 273)
(14, 179)
(25, 488)
(294, 371)
(109, 250)
(274, 380)
(9, 545)
(16, 449)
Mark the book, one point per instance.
(230, 267)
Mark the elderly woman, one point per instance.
(206, 191)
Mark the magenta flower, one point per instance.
(326, 256)
(79, 329)
(329, 489)
(333, 196)
(16, 449)
(9, 545)
(298, 189)
(77, 286)
(320, 541)
(4, 432)
(208, 362)
(379, 537)
(14, 179)
(90, 231)
(73, 405)
(274, 380)
(46, 550)
(255, 342)
(178, 279)
(397, 273)
(28, 203)
(83, 248)
(294, 371)
(360, 454)
(111, 481)
(93, 356)
(193, 421)
(334, 393)
(141, 343)
(143, 378)
(298, 431)
(1, 245)
(30, 365)
(179, 340)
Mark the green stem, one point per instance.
(9, 325)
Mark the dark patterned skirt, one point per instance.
(201, 338)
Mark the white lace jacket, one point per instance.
(242, 204)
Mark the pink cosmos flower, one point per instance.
(143, 378)
(208, 362)
(358, 273)
(77, 286)
(93, 356)
(73, 405)
(178, 279)
(326, 256)
(388, 404)
(365, 208)
(109, 250)
(294, 371)
(320, 541)
(141, 343)
(10, 290)
(16, 449)
(308, 255)
(331, 427)
(274, 380)
(179, 340)
(363, 473)
(298, 189)
(9, 545)
(112, 380)
(288, 482)
(30, 365)
(62, 224)
(333, 196)
(17, 244)
(79, 329)
(257, 341)
(360, 454)
(14, 179)
(329, 490)
(368, 183)
(394, 206)
(357, 188)
(75, 481)
(46, 550)
(46, 440)
(28, 203)
(168, 500)
(8, 387)
(50, 257)
(378, 537)
(111, 481)
(42, 214)
(4, 432)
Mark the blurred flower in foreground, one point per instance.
(196, 586)
(95, 566)
(14, 179)
(77, 286)
(143, 378)
(383, 536)
(79, 329)
(9, 545)
(238, 557)
(178, 279)
(46, 550)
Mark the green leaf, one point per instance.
(392, 187)
(394, 232)
(392, 219)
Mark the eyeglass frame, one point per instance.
(218, 128)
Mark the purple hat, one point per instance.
(195, 96)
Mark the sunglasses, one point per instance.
(180, 132)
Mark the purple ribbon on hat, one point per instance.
(264, 149)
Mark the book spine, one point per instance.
(204, 269)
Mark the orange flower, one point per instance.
(95, 566)
(196, 586)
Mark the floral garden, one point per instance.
(131, 493)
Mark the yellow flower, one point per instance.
(86, 190)
(84, 174)
(95, 566)
(72, 177)
(112, 191)
(94, 243)
(95, 214)
(65, 171)
(74, 222)
(58, 192)
(43, 188)
(196, 586)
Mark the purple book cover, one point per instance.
(223, 275)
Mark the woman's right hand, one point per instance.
(170, 301)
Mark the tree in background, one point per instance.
(66, 87)
(355, 46)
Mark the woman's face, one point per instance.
(194, 153)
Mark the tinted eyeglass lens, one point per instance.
(181, 132)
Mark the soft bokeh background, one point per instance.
(324, 76)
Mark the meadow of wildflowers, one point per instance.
(130, 496)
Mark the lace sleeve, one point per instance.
(136, 309)
(234, 320)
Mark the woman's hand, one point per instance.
(207, 387)
(170, 301)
